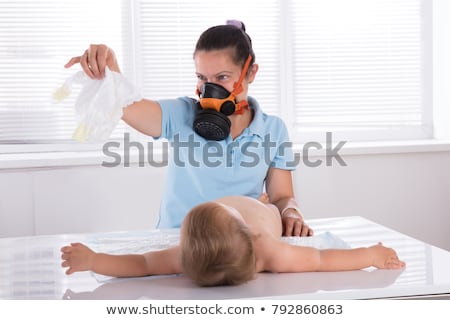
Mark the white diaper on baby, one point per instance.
(325, 240)
(99, 104)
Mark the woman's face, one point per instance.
(217, 66)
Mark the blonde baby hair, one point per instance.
(216, 247)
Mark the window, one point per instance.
(359, 68)
(36, 40)
(362, 68)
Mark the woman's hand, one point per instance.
(77, 257)
(95, 59)
(293, 224)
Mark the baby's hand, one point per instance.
(77, 257)
(385, 258)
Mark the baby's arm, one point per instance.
(290, 258)
(78, 257)
(377, 256)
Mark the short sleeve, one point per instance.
(177, 116)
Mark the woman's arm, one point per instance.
(284, 257)
(144, 116)
(78, 257)
(280, 190)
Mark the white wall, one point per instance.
(409, 192)
(78, 199)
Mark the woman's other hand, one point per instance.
(294, 225)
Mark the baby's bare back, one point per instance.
(259, 216)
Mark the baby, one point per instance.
(226, 242)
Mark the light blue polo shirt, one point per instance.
(201, 170)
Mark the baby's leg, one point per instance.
(264, 198)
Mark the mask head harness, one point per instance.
(216, 104)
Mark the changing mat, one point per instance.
(140, 242)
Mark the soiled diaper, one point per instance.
(99, 104)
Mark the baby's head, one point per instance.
(216, 246)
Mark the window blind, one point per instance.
(36, 39)
(358, 68)
(362, 68)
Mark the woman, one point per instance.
(222, 145)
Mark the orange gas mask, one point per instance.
(215, 105)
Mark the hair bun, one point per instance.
(238, 24)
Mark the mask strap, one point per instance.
(237, 87)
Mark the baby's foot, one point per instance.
(264, 198)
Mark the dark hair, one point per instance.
(231, 35)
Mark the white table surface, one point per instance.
(30, 269)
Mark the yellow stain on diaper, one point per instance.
(81, 133)
(61, 93)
